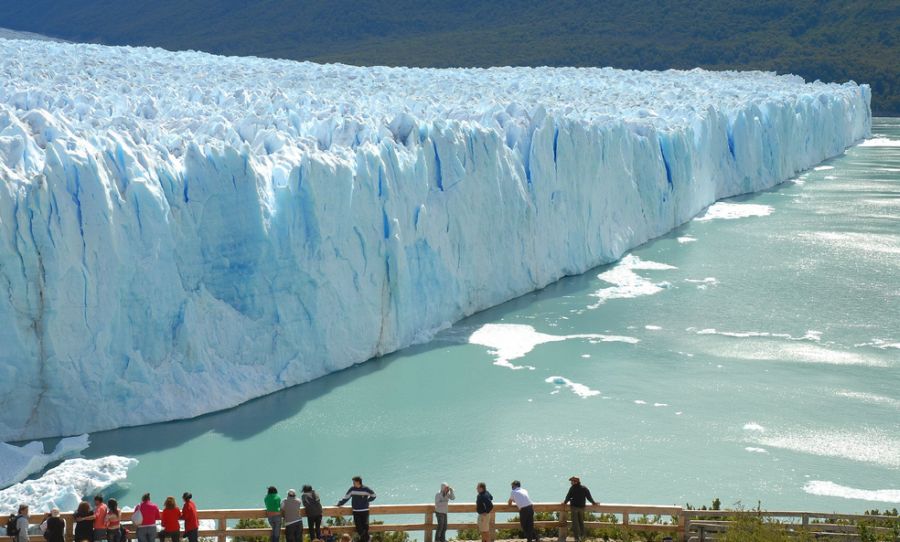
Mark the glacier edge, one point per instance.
(150, 248)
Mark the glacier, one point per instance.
(182, 232)
(19, 462)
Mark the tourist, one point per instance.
(149, 515)
(312, 507)
(113, 523)
(327, 535)
(273, 513)
(21, 524)
(170, 516)
(520, 498)
(577, 497)
(345, 538)
(484, 506)
(100, 511)
(84, 523)
(361, 497)
(54, 527)
(189, 515)
(441, 507)
(293, 522)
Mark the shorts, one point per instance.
(484, 522)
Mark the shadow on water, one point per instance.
(249, 419)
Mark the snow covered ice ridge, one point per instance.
(181, 232)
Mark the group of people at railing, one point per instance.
(104, 523)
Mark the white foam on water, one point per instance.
(762, 349)
(880, 142)
(826, 488)
(756, 450)
(703, 284)
(823, 168)
(578, 389)
(724, 210)
(686, 239)
(753, 426)
(585, 356)
(513, 341)
(881, 344)
(810, 335)
(652, 328)
(869, 445)
(64, 485)
(628, 284)
(870, 398)
(660, 404)
(640, 402)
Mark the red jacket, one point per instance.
(189, 515)
(170, 517)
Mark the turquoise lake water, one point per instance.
(749, 359)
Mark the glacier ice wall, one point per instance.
(181, 232)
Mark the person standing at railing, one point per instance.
(484, 506)
(293, 523)
(20, 525)
(113, 522)
(170, 516)
(520, 498)
(189, 515)
(148, 513)
(273, 513)
(84, 523)
(312, 507)
(577, 497)
(441, 507)
(54, 527)
(360, 497)
(100, 511)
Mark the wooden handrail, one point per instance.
(680, 525)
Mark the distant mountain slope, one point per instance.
(819, 39)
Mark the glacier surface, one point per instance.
(181, 232)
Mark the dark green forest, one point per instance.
(830, 40)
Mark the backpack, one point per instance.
(11, 528)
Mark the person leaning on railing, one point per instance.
(189, 515)
(578, 496)
(361, 497)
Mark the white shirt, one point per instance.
(520, 497)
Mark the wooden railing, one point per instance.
(670, 521)
(708, 525)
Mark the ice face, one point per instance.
(175, 222)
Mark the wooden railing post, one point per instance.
(223, 527)
(683, 525)
(429, 524)
(70, 528)
(563, 524)
(493, 530)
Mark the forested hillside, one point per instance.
(826, 39)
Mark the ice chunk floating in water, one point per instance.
(20, 462)
(64, 486)
(240, 225)
(512, 341)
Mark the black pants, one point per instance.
(294, 532)
(315, 527)
(361, 522)
(526, 520)
(191, 535)
(174, 535)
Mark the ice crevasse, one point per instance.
(181, 232)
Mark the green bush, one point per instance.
(255, 523)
